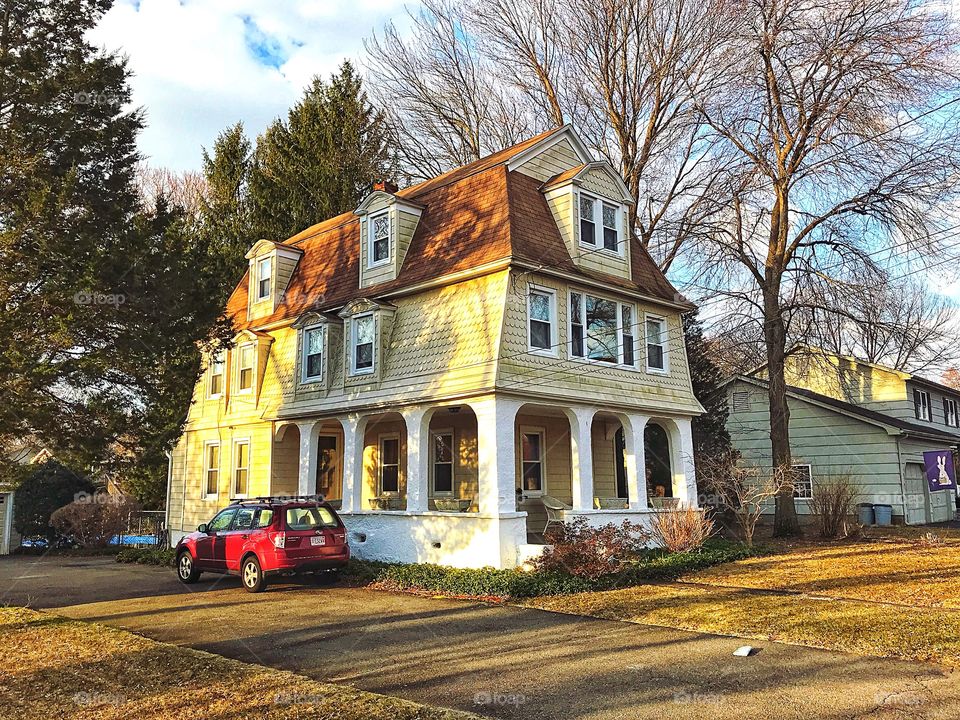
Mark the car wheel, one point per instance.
(252, 575)
(186, 568)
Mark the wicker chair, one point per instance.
(554, 509)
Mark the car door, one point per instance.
(237, 537)
(211, 548)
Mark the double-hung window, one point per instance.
(531, 460)
(921, 404)
(596, 214)
(211, 468)
(950, 416)
(313, 353)
(442, 446)
(245, 368)
(802, 482)
(611, 227)
(656, 344)
(379, 249)
(601, 329)
(241, 467)
(588, 222)
(363, 339)
(389, 464)
(541, 311)
(216, 375)
(264, 273)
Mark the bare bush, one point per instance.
(94, 521)
(747, 493)
(681, 530)
(831, 501)
(592, 552)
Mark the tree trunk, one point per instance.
(775, 336)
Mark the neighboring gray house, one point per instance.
(852, 417)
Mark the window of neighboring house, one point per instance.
(740, 401)
(245, 369)
(626, 334)
(264, 267)
(312, 359)
(531, 458)
(241, 467)
(216, 375)
(656, 344)
(802, 482)
(921, 404)
(363, 340)
(212, 469)
(602, 329)
(541, 310)
(389, 465)
(442, 447)
(379, 247)
(611, 226)
(950, 416)
(588, 224)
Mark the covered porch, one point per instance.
(470, 483)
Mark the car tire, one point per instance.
(251, 575)
(186, 568)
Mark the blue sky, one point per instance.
(201, 65)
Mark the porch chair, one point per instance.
(554, 509)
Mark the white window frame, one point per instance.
(218, 358)
(380, 438)
(261, 262)
(453, 462)
(620, 362)
(371, 263)
(809, 468)
(665, 344)
(354, 370)
(532, 430)
(924, 404)
(554, 342)
(236, 466)
(253, 367)
(951, 407)
(598, 203)
(308, 379)
(207, 469)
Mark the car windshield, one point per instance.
(309, 518)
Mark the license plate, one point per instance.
(318, 540)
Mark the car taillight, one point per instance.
(279, 540)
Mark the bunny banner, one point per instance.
(941, 474)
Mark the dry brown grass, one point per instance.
(62, 668)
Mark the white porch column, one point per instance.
(496, 453)
(684, 472)
(633, 427)
(307, 475)
(417, 421)
(353, 429)
(581, 456)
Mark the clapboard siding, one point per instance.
(554, 160)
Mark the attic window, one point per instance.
(596, 213)
(588, 226)
(379, 246)
(741, 401)
(264, 271)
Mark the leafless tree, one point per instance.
(185, 189)
(747, 494)
(839, 142)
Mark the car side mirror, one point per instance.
(202, 527)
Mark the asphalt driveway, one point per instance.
(498, 661)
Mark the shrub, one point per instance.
(43, 491)
(682, 530)
(93, 521)
(147, 556)
(831, 502)
(590, 552)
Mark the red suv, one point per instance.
(258, 537)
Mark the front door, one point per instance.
(212, 547)
(328, 467)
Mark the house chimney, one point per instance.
(385, 186)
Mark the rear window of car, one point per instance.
(309, 518)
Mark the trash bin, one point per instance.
(883, 515)
(865, 513)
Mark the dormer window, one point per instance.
(362, 341)
(216, 375)
(264, 276)
(313, 353)
(245, 368)
(588, 226)
(611, 227)
(595, 213)
(379, 249)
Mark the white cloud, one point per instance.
(201, 65)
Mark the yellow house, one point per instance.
(447, 358)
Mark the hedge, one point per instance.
(147, 556)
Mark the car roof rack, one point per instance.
(277, 499)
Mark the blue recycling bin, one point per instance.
(883, 515)
(865, 513)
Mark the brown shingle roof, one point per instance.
(473, 215)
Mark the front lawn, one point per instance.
(891, 597)
(62, 668)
